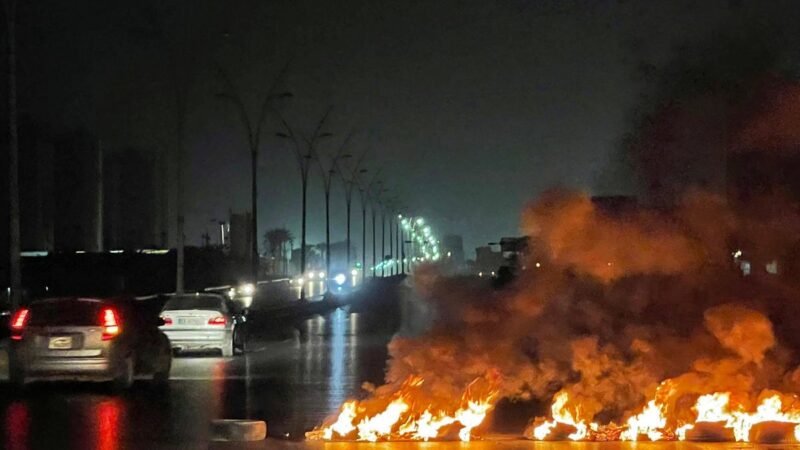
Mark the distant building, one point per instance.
(314, 259)
(453, 252)
(36, 194)
(78, 212)
(240, 236)
(131, 201)
(488, 260)
(339, 255)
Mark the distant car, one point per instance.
(203, 322)
(87, 339)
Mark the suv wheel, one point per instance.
(124, 379)
(161, 376)
(16, 376)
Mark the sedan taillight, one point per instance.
(219, 320)
(18, 323)
(167, 320)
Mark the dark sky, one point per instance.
(470, 107)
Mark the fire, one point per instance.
(561, 415)
(712, 410)
(650, 422)
(409, 414)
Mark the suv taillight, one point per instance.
(219, 320)
(109, 319)
(18, 323)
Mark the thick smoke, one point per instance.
(610, 304)
(617, 304)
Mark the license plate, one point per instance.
(190, 321)
(60, 343)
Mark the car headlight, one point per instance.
(321, 275)
(247, 289)
(340, 279)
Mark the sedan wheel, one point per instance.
(238, 341)
(227, 347)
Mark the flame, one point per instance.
(381, 424)
(411, 413)
(652, 421)
(404, 417)
(768, 411)
(561, 415)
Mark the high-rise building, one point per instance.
(453, 251)
(131, 200)
(78, 211)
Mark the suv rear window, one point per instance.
(205, 302)
(65, 312)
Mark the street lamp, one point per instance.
(252, 127)
(349, 176)
(304, 163)
(327, 179)
(364, 191)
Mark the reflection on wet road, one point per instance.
(291, 383)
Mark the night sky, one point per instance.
(471, 108)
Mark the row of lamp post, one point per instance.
(372, 195)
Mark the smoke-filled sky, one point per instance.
(471, 108)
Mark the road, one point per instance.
(291, 377)
(499, 444)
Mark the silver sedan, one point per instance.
(198, 322)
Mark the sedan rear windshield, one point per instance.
(65, 313)
(194, 302)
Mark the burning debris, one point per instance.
(716, 420)
(412, 413)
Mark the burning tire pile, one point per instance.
(717, 420)
(635, 326)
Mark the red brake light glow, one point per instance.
(219, 320)
(167, 320)
(18, 323)
(110, 321)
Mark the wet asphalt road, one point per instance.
(292, 377)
